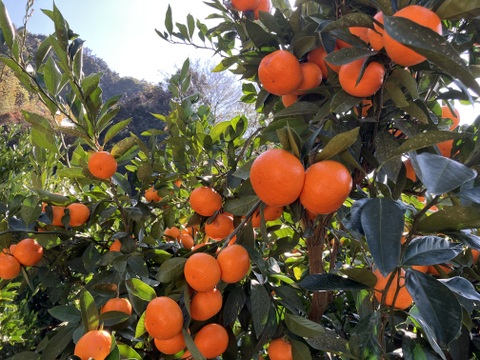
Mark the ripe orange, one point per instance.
(410, 172)
(244, 5)
(277, 177)
(163, 318)
(116, 246)
(369, 84)
(317, 56)
(202, 272)
(327, 185)
(375, 35)
(280, 349)
(263, 5)
(280, 73)
(171, 346)
(94, 344)
(205, 201)
(312, 76)
(206, 304)
(475, 255)
(289, 99)
(117, 304)
(361, 32)
(402, 299)
(220, 227)
(234, 263)
(28, 252)
(79, 214)
(172, 232)
(186, 240)
(102, 165)
(9, 266)
(445, 148)
(58, 212)
(151, 195)
(211, 340)
(455, 117)
(270, 213)
(400, 53)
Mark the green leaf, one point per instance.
(439, 174)
(315, 282)
(437, 306)
(342, 102)
(42, 132)
(430, 250)
(240, 206)
(168, 20)
(259, 36)
(89, 311)
(383, 223)
(454, 9)
(171, 269)
(260, 303)
(128, 353)
(338, 144)
(347, 55)
(300, 108)
(234, 303)
(462, 287)
(300, 350)
(115, 129)
(123, 146)
(140, 328)
(302, 326)
(58, 343)
(364, 339)
(52, 76)
(431, 45)
(66, 313)
(111, 318)
(451, 218)
(330, 342)
(61, 28)
(6, 26)
(138, 288)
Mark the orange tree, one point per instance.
(351, 257)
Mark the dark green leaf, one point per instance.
(462, 287)
(330, 342)
(383, 223)
(302, 326)
(141, 290)
(89, 311)
(452, 218)
(439, 174)
(316, 282)
(472, 194)
(347, 55)
(234, 303)
(437, 306)
(338, 144)
(260, 303)
(168, 20)
(241, 205)
(342, 102)
(364, 340)
(454, 9)
(57, 344)
(297, 109)
(300, 350)
(111, 318)
(66, 313)
(171, 269)
(430, 250)
(259, 36)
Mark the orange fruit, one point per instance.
(327, 185)
(289, 99)
(186, 240)
(280, 73)
(205, 201)
(402, 299)
(151, 195)
(400, 53)
(312, 76)
(369, 84)
(365, 106)
(263, 5)
(410, 172)
(361, 32)
(445, 148)
(220, 227)
(58, 213)
(102, 165)
(375, 35)
(171, 346)
(117, 304)
(455, 117)
(116, 246)
(277, 177)
(211, 340)
(172, 232)
(206, 304)
(280, 349)
(9, 266)
(79, 214)
(28, 252)
(244, 5)
(475, 255)
(270, 213)
(202, 272)
(234, 263)
(317, 56)
(94, 344)
(163, 318)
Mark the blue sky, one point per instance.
(121, 32)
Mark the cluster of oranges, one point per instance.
(281, 73)
(279, 178)
(79, 214)
(27, 252)
(252, 5)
